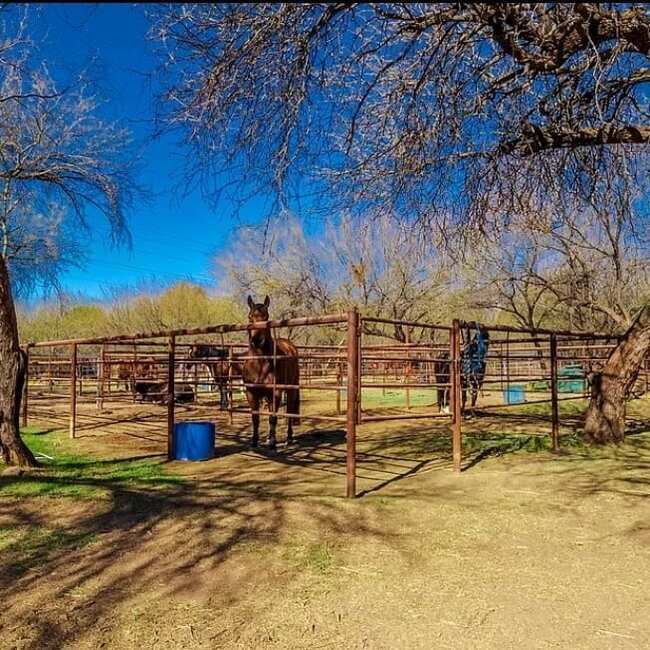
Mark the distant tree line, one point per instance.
(182, 305)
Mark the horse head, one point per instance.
(258, 313)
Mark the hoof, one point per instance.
(289, 443)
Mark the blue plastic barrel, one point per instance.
(193, 440)
(514, 395)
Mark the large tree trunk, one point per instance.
(12, 375)
(605, 419)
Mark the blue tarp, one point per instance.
(475, 353)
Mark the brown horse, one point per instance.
(216, 361)
(132, 371)
(260, 371)
(442, 372)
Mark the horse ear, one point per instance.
(251, 304)
(267, 301)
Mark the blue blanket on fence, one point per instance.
(475, 353)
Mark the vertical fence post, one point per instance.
(195, 370)
(359, 368)
(339, 385)
(555, 428)
(407, 340)
(101, 376)
(171, 365)
(230, 392)
(109, 373)
(456, 387)
(26, 387)
(275, 375)
(508, 367)
(352, 402)
(73, 390)
(307, 369)
(50, 381)
(134, 371)
(80, 378)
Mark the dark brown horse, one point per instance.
(260, 372)
(132, 371)
(442, 372)
(473, 365)
(215, 359)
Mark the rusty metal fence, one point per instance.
(366, 376)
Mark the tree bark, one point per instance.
(12, 376)
(610, 388)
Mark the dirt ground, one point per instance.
(523, 549)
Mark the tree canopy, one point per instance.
(432, 109)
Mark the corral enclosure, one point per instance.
(352, 371)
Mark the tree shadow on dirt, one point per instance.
(622, 470)
(59, 582)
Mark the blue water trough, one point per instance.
(514, 395)
(193, 441)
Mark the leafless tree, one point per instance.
(54, 151)
(380, 266)
(584, 271)
(436, 109)
(38, 245)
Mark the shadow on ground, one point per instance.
(70, 562)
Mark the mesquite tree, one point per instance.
(57, 159)
(588, 272)
(383, 268)
(455, 115)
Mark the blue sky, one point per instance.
(174, 236)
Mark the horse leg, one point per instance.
(289, 420)
(293, 406)
(474, 397)
(273, 421)
(254, 403)
(224, 389)
(441, 398)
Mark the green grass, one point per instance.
(567, 408)
(318, 557)
(75, 475)
(25, 547)
(507, 442)
(397, 397)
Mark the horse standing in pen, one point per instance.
(472, 363)
(215, 359)
(270, 362)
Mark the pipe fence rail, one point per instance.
(366, 376)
